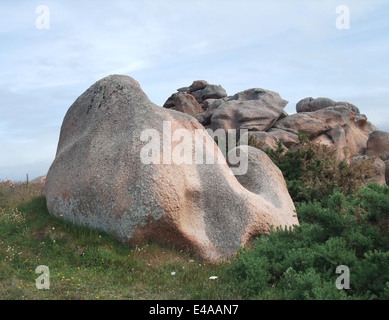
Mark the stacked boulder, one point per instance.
(192, 99)
(322, 120)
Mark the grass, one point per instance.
(86, 264)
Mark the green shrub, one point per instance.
(372, 275)
(307, 285)
(301, 263)
(313, 171)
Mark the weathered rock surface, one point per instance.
(200, 91)
(288, 139)
(378, 145)
(261, 140)
(270, 139)
(211, 91)
(264, 178)
(198, 85)
(98, 178)
(301, 122)
(194, 99)
(310, 104)
(252, 109)
(209, 107)
(185, 103)
(337, 126)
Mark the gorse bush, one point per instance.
(312, 171)
(301, 263)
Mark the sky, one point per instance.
(298, 48)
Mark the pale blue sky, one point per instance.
(292, 47)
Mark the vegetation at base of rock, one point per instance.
(301, 263)
(313, 172)
(342, 222)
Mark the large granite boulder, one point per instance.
(116, 169)
(378, 145)
(183, 102)
(211, 91)
(198, 85)
(261, 140)
(200, 91)
(253, 109)
(209, 107)
(337, 126)
(288, 139)
(301, 122)
(310, 104)
(264, 178)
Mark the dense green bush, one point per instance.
(313, 171)
(301, 263)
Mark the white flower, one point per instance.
(173, 273)
(213, 278)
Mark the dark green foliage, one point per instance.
(372, 275)
(301, 263)
(313, 172)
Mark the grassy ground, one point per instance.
(87, 264)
